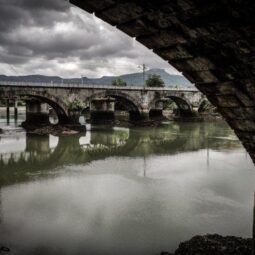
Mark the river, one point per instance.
(122, 191)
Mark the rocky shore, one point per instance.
(57, 130)
(214, 245)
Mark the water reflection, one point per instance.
(123, 191)
(46, 153)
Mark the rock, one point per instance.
(55, 130)
(215, 245)
(69, 132)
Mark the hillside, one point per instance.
(133, 79)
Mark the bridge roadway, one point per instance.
(91, 86)
(69, 100)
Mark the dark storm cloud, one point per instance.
(56, 38)
(16, 13)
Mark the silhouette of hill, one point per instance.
(133, 79)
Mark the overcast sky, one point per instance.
(53, 37)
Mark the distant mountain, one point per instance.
(133, 79)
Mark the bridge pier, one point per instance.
(134, 116)
(145, 115)
(142, 115)
(73, 117)
(8, 111)
(102, 110)
(15, 104)
(156, 113)
(37, 113)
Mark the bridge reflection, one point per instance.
(40, 158)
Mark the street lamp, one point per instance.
(81, 80)
(143, 67)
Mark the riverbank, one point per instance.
(214, 245)
(56, 130)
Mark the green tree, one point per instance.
(75, 105)
(154, 80)
(119, 83)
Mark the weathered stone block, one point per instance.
(197, 64)
(122, 13)
(242, 125)
(238, 113)
(202, 77)
(162, 39)
(137, 28)
(92, 5)
(174, 53)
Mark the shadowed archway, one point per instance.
(184, 107)
(57, 106)
(123, 101)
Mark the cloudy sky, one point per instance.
(56, 38)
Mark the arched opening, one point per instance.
(45, 108)
(85, 115)
(125, 109)
(183, 109)
(53, 117)
(111, 106)
(171, 107)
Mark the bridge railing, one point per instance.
(89, 86)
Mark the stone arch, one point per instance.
(131, 103)
(210, 42)
(56, 103)
(183, 104)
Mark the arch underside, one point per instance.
(210, 42)
(128, 102)
(184, 107)
(59, 110)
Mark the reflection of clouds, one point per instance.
(106, 207)
(53, 141)
(11, 143)
(84, 140)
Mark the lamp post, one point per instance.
(143, 67)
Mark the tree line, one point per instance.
(153, 80)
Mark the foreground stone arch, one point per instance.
(210, 42)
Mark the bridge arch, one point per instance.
(131, 103)
(183, 104)
(56, 103)
(203, 41)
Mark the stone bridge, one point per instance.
(210, 42)
(69, 100)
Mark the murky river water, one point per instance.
(122, 191)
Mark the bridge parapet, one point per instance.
(68, 100)
(92, 86)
